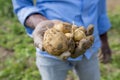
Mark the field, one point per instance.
(17, 52)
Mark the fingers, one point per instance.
(65, 55)
(105, 57)
(38, 44)
(100, 55)
(37, 38)
(90, 30)
(38, 32)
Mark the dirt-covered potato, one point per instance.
(55, 42)
(74, 27)
(84, 40)
(69, 35)
(63, 27)
(82, 29)
(78, 35)
(65, 40)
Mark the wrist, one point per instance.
(33, 20)
(104, 38)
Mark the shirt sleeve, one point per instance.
(24, 8)
(103, 20)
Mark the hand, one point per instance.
(39, 30)
(105, 54)
(83, 45)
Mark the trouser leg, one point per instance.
(88, 69)
(52, 69)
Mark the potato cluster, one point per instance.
(65, 40)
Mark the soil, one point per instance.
(4, 53)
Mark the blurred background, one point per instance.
(17, 52)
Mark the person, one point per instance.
(82, 12)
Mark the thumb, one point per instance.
(38, 39)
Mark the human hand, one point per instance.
(105, 54)
(39, 30)
(84, 43)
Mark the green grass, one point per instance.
(111, 71)
(21, 65)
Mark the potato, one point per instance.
(55, 42)
(78, 35)
(63, 27)
(64, 40)
(82, 29)
(74, 27)
(69, 35)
